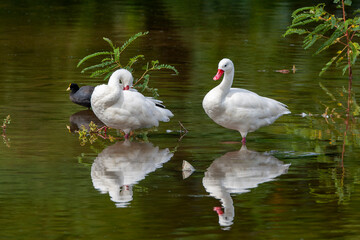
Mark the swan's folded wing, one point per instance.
(244, 102)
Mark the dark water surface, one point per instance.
(290, 182)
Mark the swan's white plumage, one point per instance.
(126, 110)
(239, 109)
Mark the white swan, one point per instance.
(237, 108)
(238, 172)
(126, 110)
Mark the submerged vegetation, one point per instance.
(112, 61)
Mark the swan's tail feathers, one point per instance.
(165, 114)
(160, 105)
(157, 102)
(284, 109)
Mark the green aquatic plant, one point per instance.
(318, 25)
(92, 133)
(329, 30)
(111, 60)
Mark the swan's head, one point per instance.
(225, 65)
(125, 76)
(127, 81)
(224, 220)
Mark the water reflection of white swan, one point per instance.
(124, 164)
(238, 172)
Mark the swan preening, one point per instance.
(237, 108)
(126, 110)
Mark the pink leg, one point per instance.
(243, 141)
(105, 129)
(100, 129)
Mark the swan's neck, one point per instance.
(114, 81)
(115, 93)
(229, 211)
(227, 81)
(226, 200)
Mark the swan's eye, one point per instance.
(225, 65)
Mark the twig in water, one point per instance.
(183, 131)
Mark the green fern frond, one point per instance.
(301, 17)
(131, 39)
(322, 28)
(302, 23)
(93, 55)
(100, 72)
(117, 54)
(345, 68)
(303, 9)
(354, 46)
(107, 59)
(166, 66)
(109, 42)
(295, 31)
(111, 62)
(310, 40)
(145, 82)
(134, 60)
(101, 65)
(331, 41)
(348, 2)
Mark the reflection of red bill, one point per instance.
(219, 74)
(218, 210)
